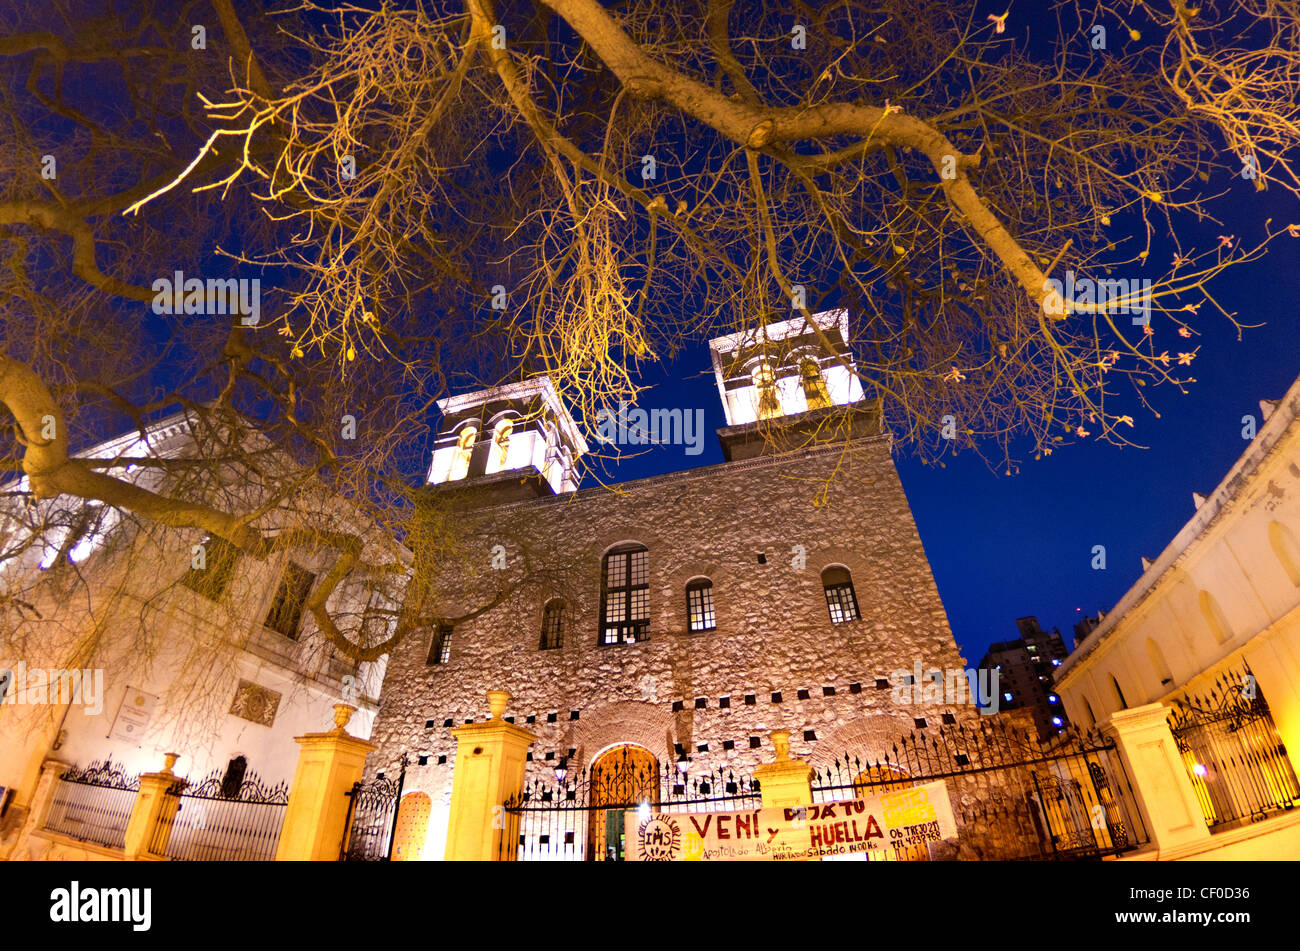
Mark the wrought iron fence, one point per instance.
(217, 821)
(372, 819)
(94, 804)
(582, 817)
(1237, 763)
(1014, 796)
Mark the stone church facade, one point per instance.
(688, 614)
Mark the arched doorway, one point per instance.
(412, 827)
(621, 778)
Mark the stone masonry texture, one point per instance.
(711, 693)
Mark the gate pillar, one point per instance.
(1159, 778)
(153, 807)
(784, 781)
(315, 820)
(490, 762)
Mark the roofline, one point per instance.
(534, 386)
(1281, 421)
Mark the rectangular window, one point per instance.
(626, 597)
(553, 626)
(440, 646)
(219, 558)
(285, 615)
(699, 607)
(842, 603)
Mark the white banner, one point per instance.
(881, 822)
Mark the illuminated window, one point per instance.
(285, 615)
(440, 646)
(625, 595)
(840, 597)
(464, 449)
(553, 625)
(501, 442)
(218, 567)
(814, 384)
(769, 405)
(699, 605)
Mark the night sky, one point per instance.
(1004, 547)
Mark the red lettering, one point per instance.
(742, 825)
(701, 832)
(818, 840)
(723, 832)
(873, 828)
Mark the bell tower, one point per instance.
(783, 380)
(515, 441)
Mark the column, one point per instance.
(329, 764)
(1158, 777)
(153, 807)
(490, 761)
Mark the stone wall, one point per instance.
(775, 661)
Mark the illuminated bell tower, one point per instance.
(781, 381)
(513, 442)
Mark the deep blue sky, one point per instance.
(1004, 547)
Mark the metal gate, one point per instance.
(372, 818)
(581, 818)
(1014, 796)
(1235, 759)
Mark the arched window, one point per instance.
(1285, 548)
(699, 605)
(625, 595)
(464, 449)
(440, 645)
(769, 404)
(1119, 694)
(1214, 619)
(1158, 663)
(501, 443)
(551, 462)
(840, 597)
(814, 384)
(553, 624)
(1092, 717)
(233, 781)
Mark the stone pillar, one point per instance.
(490, 760)
(784, 781)
(329, 764)
(1158, 777)
(38, 809)
(152, 807)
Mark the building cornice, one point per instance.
(1279, 429)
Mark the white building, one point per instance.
(222, 665)
(1218, 607)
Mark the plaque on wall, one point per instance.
(133, 716)
(255, 703)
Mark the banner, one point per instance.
(878, 823)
